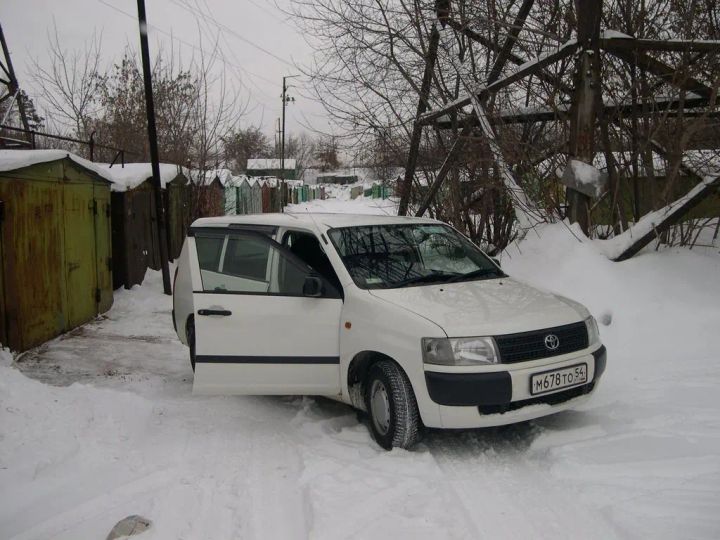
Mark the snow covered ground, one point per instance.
(340, 202)
(101, 424)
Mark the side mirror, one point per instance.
(496, 261)
(313, 286)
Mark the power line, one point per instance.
(233, 32)
(208, 19)
(280, 20)
(239, 69)
(237, 64)
(201, 13)
(171, 36)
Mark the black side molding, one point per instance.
(217, 359)
(469, 389)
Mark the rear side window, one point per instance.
(250, 264)
(246, 257)
(233, 263)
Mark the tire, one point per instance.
(394, 419)
(190, 333)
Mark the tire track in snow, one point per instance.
(507, 495)
(357, 490)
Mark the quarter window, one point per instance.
(209, 249)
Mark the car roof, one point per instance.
(309, 220)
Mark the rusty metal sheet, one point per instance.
(80, 258)
(103, 252)
(31, 237)
(51, 240)
(177, 207)
(133, 235)
(118, 241)
(266, 203)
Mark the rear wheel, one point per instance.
(190, 333)
(391, 405)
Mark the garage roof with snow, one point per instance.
(132, 175)
(11, 160)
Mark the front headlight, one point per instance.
(592, 330)
(469, 351)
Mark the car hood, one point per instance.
(485, 307)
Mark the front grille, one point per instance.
(531, 345)
(548, 399)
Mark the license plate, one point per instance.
(550, 381)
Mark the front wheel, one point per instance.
(390, 402)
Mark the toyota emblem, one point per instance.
(552, 342)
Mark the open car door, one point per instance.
(265, 323)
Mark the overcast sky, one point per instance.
(258, 42)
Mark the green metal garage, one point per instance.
(55, 249)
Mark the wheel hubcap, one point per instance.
(380, 405)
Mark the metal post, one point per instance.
(91, 145)
(406, 185)
(584, 110)
(285, 101)
(282, 150)
(152, 136)
(12, 83)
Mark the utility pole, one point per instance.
(285, 100)
(160, 229)
(277, 139)
(585, 100)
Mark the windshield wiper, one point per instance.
(425, 278)
(480, 272)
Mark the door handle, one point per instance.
(221, 312)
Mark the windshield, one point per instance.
(392, 256)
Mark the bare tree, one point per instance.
(368, 71)
(68, 85)
(243, 144)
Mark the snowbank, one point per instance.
(616, 246)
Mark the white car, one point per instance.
(403, 318)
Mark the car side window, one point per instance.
(307, 248)
(246, 257)
(209, 249)
(247, 263)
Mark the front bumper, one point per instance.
(503, 396)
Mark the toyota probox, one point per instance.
(403, 318)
